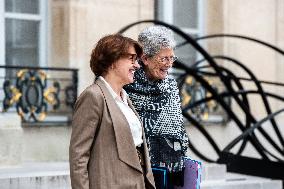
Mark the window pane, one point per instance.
(186, 13)
(186, 53)
(22, 6)
(22, 42)
(159, 12)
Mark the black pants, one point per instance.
(172, 179)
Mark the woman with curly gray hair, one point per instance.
(156, 98)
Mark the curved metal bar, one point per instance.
(248, 123)
(266, 104)
(204, 132)
(218, 99)
(240, 78)
(245, 101)
(200, 155)
(235, 36)
(249, 116)
(242, 37)
(195, 123)
(227, 94)
(261, 91)
(254, 141)
(250, 130)
(198, 126)
(199, 68)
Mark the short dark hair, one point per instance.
(109, 49)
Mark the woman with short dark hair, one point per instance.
(108, 148)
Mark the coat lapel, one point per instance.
(123, 136)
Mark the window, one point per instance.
(188, 16)
(23, 32)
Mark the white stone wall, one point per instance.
(78, 25)
(21, 144)
(45, 143)
(11, 139)
(74, 28)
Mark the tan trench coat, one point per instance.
(110, 161)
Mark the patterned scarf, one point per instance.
(158, 105)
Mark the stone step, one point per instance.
(241, 184)
(212, 171)
(215, 176)
(55, 175)
(36, 182)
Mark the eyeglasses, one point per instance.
(132, 57)
(166, 59)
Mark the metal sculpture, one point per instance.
(270, 164)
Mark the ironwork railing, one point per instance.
(38, 94)
(195, 80)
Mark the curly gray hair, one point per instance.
(155, 38)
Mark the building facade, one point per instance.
(62, 33)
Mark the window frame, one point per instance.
(41, 17)
(2, 34)
(167, 6)
(168, 18)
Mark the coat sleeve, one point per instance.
(86, 119)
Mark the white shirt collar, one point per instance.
(113, 94)
(131, 117)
